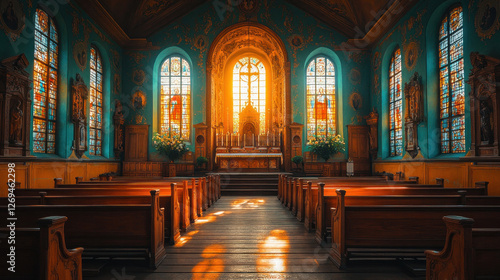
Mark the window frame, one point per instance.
(447, 66)
(51, 24)
(97, 73)
(335, 97)
(392, 112)
(190, 123)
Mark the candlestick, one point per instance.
(227, 139)
(253, 140)
(244, 139)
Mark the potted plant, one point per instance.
(201, 163)
(325, 147)
(298, 161)
(172, 147)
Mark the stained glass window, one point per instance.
(320, 98)
(95, 123)
(175, 97)
(452, 87)
(395, 106)
(249, 83)
(45, 84)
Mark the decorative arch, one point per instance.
(235, 41)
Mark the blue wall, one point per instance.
(421, 25)
(73, 26)
(281, 17)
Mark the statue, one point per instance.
(16, 124)
(485, 117)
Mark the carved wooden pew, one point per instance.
(323, 214)
(187, 195)
(101, 196)
(358, 231)
(469, 252)
(311, 197)
(41, 252)
(111, 229)
(295, 196)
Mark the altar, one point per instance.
(249, 161)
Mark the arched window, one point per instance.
(249, 83)
(451, 74)
(395, 106)
(45, 83)
(96, 84)
(175, 97)
(320, 98)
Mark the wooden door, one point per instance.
(136, 142)
(359, 149)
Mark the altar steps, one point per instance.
(254, 184)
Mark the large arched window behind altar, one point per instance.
(249, 83)
(175, 97)
(320, 98)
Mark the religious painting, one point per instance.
(355, 76)
(296, 41)
(139, 100)
(247, 6)
(412, 53)
(355, 101)
(12, 18)
(201, 42)
(487, 18)
(116, 59)
(320, 98)
(138, 77)
(80, 54)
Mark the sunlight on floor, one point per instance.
(276, 243)
(247, 203)
(212, 264)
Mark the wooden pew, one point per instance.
(360, 231)
(295, 196)
(110, 196)
(308, 198)
(323, 215)
(40, 253)
(187, 195)
(469, 252)
(111, 229)
(311, 197)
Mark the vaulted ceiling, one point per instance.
(131, 21)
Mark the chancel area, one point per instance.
(249, 139)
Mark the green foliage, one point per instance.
(297, 159)
(172, 147)
(325, 147)
(201, 160)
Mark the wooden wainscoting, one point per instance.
(455, 174)
(41, 174)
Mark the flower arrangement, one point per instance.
(327, 146)
(173, 147)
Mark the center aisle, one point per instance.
(254, 238)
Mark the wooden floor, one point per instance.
(249, 238)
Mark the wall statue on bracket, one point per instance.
(414, 113)
(79, 95)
